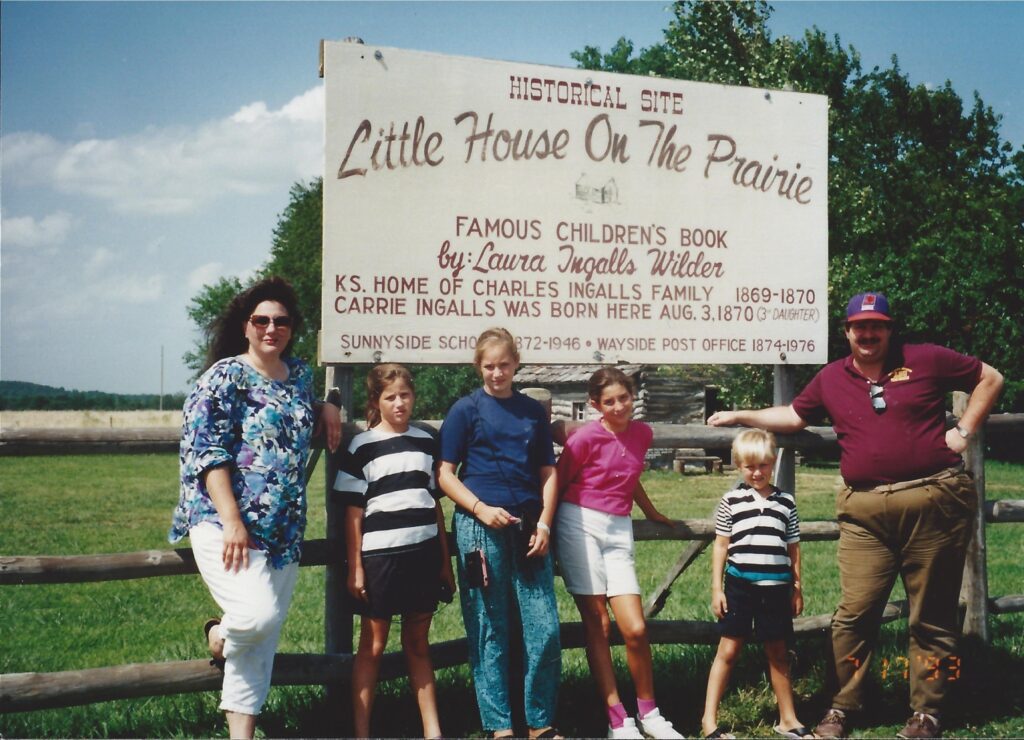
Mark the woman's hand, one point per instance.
(657, 516)
(329, 424)
(236, 546)
(494, 517)
(357, 584)
(539, 543)
(719, 606)
(235, 552)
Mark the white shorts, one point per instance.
(595, 551)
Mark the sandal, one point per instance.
(216, 660)
(796, 733)
(720, 733)
(551, 733)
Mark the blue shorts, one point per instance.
(766, 612)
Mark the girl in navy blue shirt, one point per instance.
(498, 466)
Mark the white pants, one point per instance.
(595, 551)
(255, 602)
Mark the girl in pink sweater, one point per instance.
(599, 477)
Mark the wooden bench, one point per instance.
(696, 456)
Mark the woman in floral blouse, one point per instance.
(245, 442)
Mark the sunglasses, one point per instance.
(876, 393)
(282, 322)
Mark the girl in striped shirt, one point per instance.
(397, 546)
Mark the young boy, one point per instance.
(755, 579)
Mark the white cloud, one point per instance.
(250, 113)
(132, 289)
(308, 107)
(246, 276)
(204, 275)
(26, 231)
(98, 291)
(305, 108)
(99, 260)
(174, 170)
(28, 158)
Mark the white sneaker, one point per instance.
(628, 730)
(656, 726)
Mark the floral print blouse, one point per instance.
(261, 428)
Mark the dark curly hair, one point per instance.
(226, 333)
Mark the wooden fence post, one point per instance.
(337, 621)
(337, 618)
(784, 391)
(710, 401)
(541, 396)
(974, 590)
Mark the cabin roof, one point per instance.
(554, 374)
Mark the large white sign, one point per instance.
(599, 217)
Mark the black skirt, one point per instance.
(406, 582)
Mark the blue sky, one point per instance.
(147, 148)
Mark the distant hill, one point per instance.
(19, 395)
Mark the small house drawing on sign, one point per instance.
(607, 193)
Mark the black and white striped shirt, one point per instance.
(391, 476)
(759, 531)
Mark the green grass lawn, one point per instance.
(101, 504)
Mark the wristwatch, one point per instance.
(962, 432)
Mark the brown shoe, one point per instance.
(832, 725)
(921, 725)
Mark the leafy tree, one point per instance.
(203, 309)
(926, 200)
(295, 254)
(16, 395)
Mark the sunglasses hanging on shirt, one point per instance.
(877, 395)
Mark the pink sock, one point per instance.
(616, 716)
(645, 706)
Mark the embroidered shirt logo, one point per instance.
(900, 373)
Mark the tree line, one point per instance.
(16, 395)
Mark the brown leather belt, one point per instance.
(916, 483)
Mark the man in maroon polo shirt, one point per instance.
(907, 507)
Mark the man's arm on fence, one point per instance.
(981, 401)
(774, 419)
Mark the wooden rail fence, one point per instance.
(33, 691)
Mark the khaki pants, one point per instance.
(918, 530)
